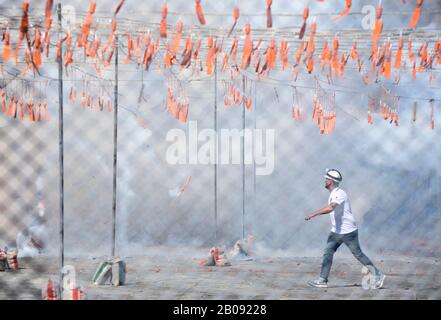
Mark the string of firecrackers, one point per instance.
(297, 111)
(387, 107)
(90, 96)
(235, 92)
(33, 58)
(381, 58)
(324, 113)
(94, 45)
(171, 53)
(26, 105)
(177, 102)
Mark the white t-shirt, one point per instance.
(342, 220)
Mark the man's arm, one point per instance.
(325, 210)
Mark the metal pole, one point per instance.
(243, 159)
(115, 148)
(216, 152)
(254, 151)
(61, 150)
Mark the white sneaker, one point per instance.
(319, 283)
(379, 280)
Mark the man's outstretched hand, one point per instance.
(328, 209)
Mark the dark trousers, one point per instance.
(334, 242)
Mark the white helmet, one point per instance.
(333, 175)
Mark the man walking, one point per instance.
(344, 230)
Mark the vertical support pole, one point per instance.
(115, 148)
(216, 149)
(61, 150)
(242, 145)
(254, 149)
